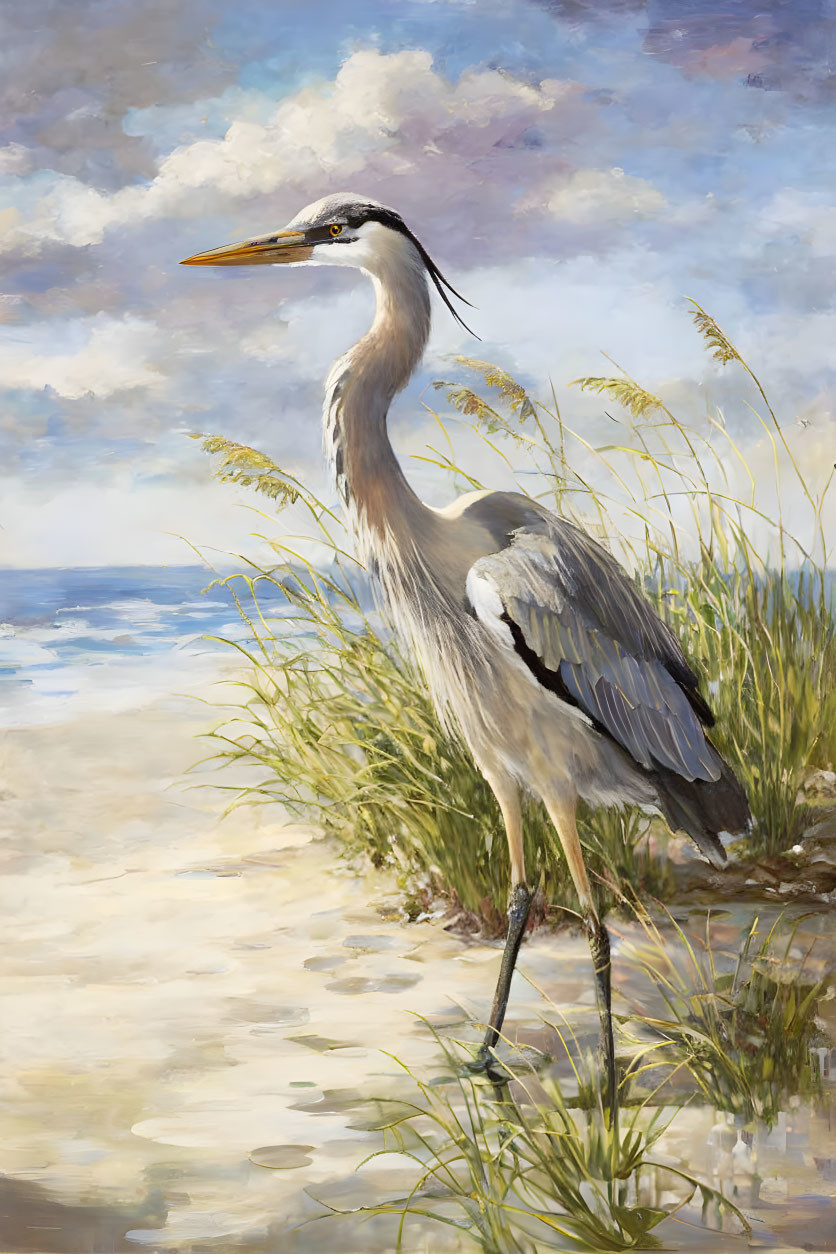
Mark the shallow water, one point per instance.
(112, 638)
(195, 1014)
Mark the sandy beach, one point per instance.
(195, 1008)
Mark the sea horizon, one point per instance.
(95, 638)
(105, 638)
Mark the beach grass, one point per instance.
(535, 1165)
(336, 726)
(343, 734)
(338, 723)
(744, 1020)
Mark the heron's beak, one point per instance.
(284, 246)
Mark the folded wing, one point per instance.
(588, 635)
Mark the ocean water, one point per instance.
(115, 637)
(109, 638)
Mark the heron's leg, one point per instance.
(519, 904)
(563, 817)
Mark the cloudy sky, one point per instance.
(575, 168)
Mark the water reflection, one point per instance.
(195, 1012)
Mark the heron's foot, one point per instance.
(487, 1064)
(524, 1059)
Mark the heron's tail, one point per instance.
(704, 808)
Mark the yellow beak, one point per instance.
(284, 246)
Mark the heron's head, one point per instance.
(340, 230)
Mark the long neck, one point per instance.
(360, 389)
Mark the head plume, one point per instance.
(355, 211)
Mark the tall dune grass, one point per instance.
(535, 1164)
(745, 1021)
(528, 1167)
(340, 724)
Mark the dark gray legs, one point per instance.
(519, 904)
(561, 810)
(562, 813)
(599, 945)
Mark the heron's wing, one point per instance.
(571, 614)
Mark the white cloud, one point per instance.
(244, 353)
(596, 197)
(383, 118)
(15, 159)
(551, 319)
(808, 217)
(802, 342)
(125, 518)
(89, 356)
(382, 115)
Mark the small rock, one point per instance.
(820, 784)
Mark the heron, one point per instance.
(534, 643)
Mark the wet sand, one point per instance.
(194, 1010)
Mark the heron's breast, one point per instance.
(484, 691)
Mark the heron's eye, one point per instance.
(335, 229)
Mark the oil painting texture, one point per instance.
(417, 637)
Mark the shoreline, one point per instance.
(200, 1011)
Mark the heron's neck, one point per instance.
(360, 390)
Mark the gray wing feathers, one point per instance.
(602, 644)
